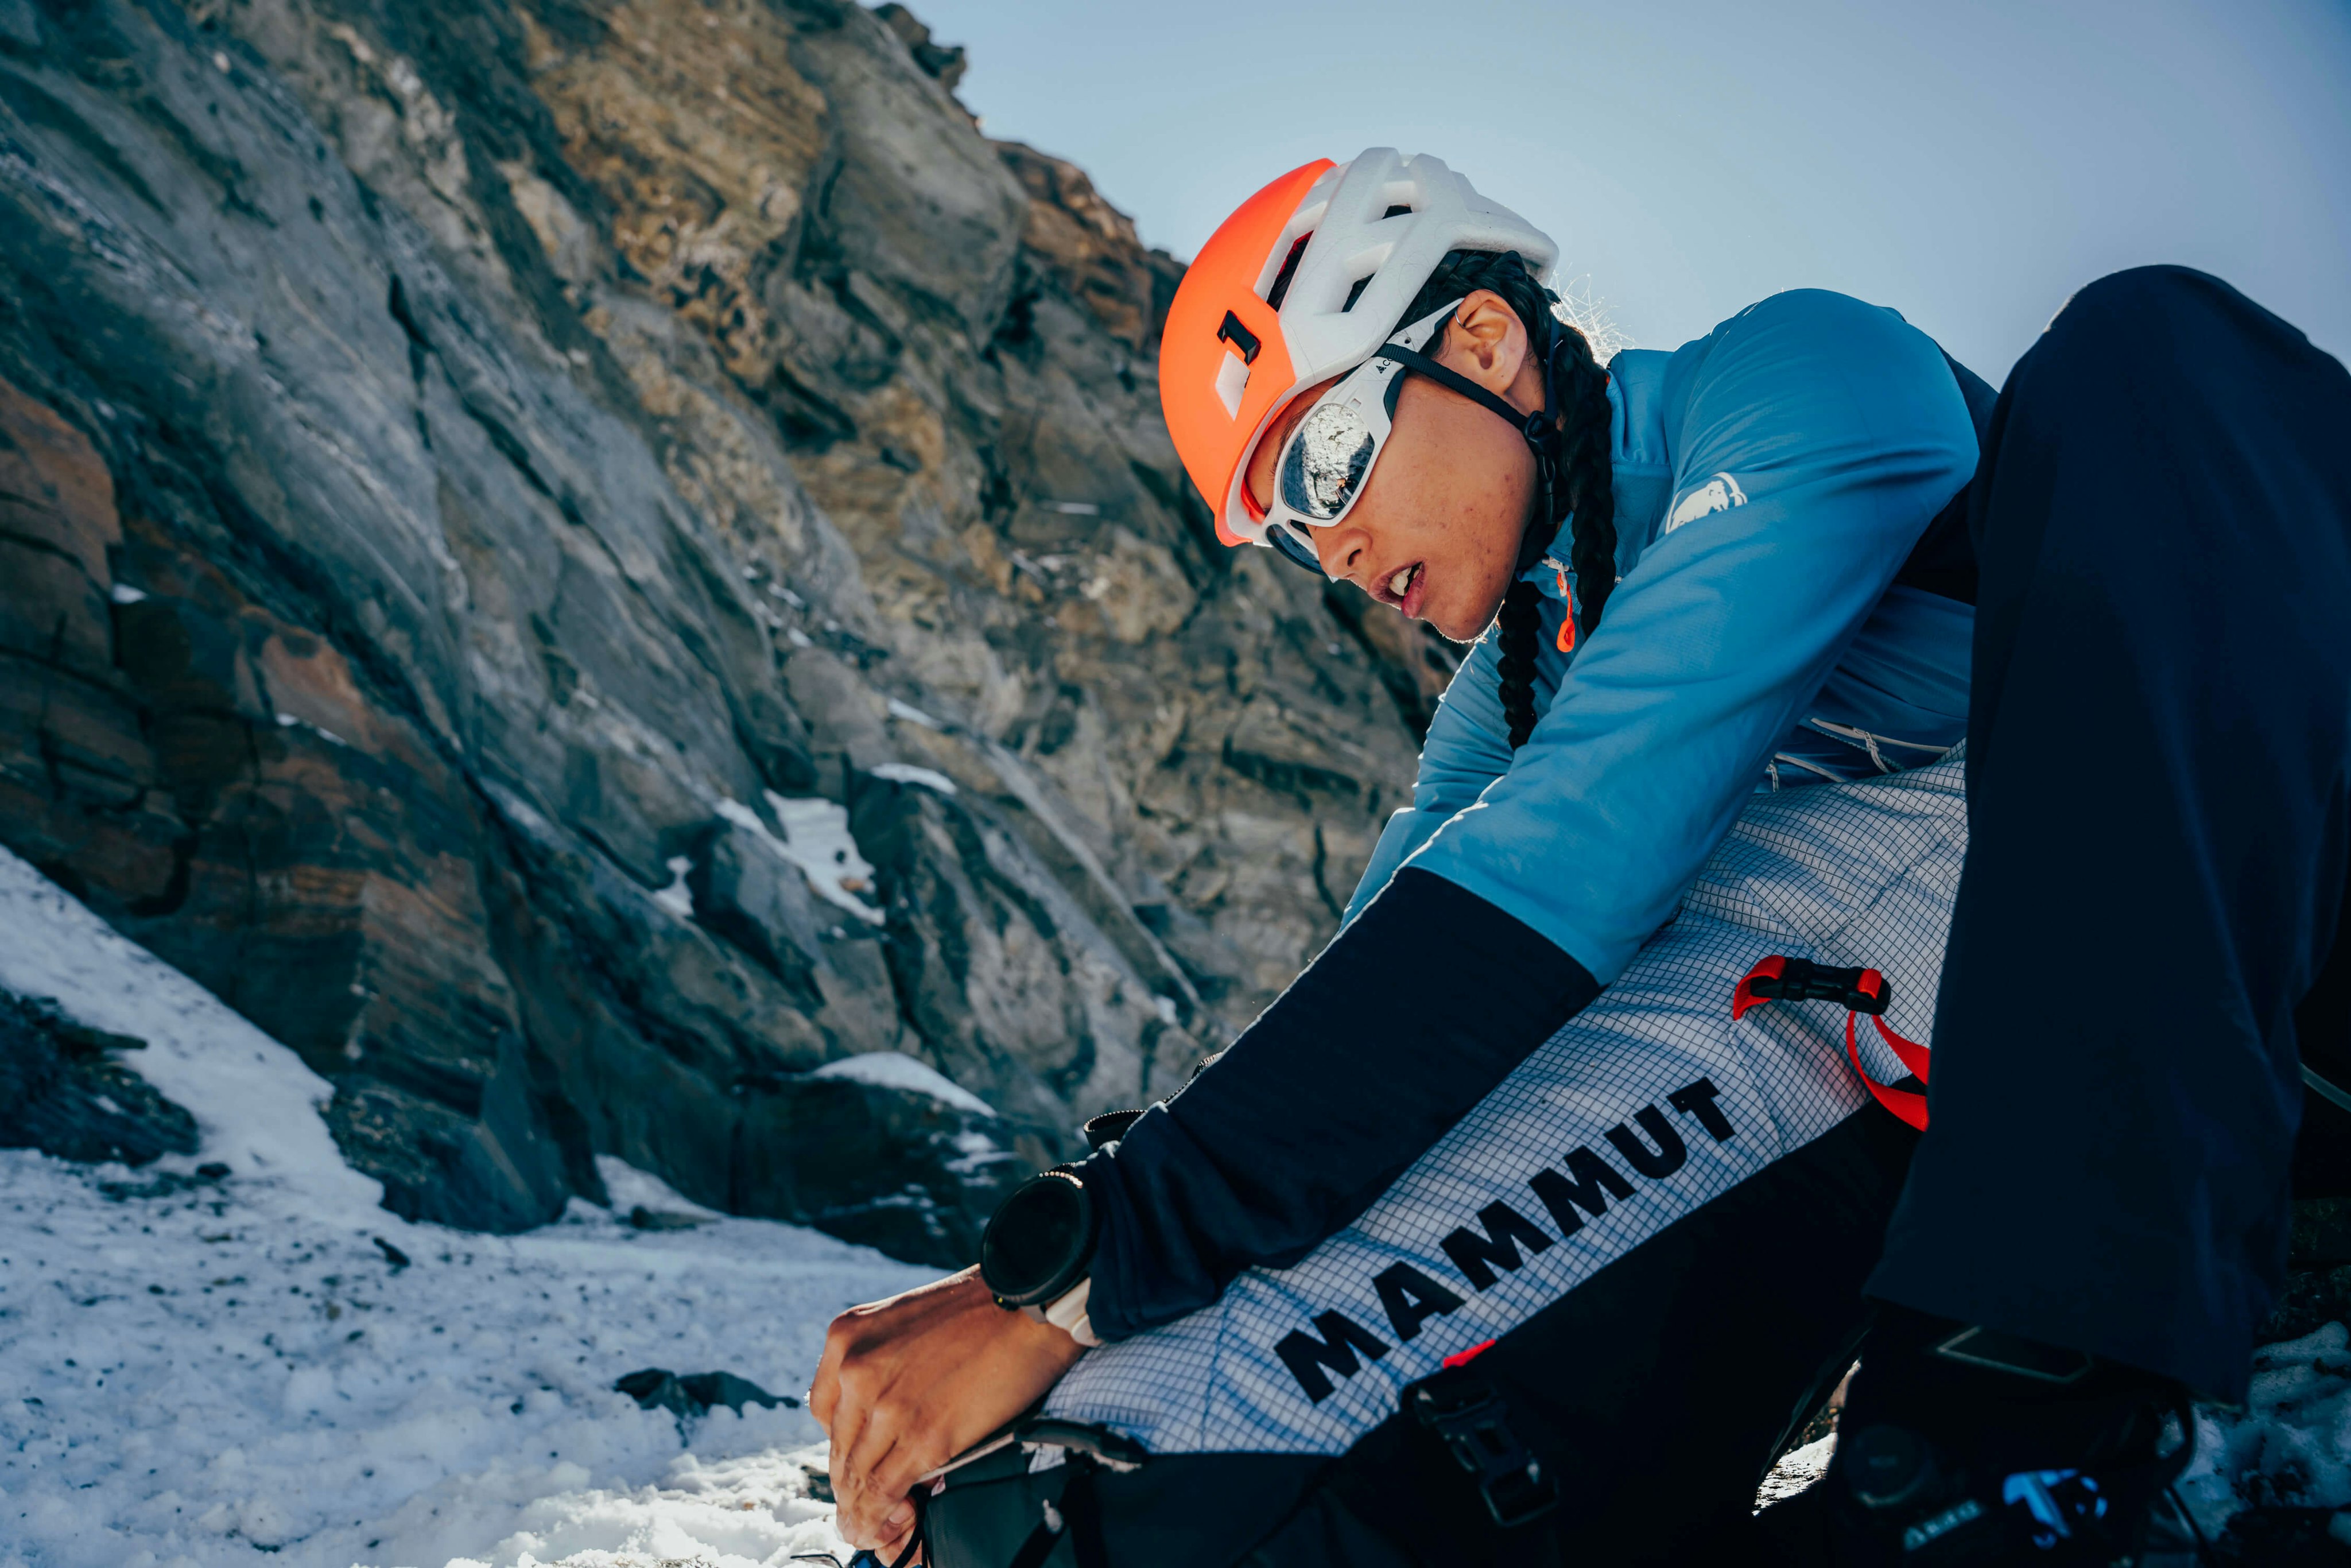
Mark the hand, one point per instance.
(907, 1384)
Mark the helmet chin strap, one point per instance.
(1539, 429)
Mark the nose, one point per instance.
(1345, 553)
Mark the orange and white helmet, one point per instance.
(1306, 281)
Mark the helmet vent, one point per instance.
(1274, 295)
(1239, 337)
(1395, 212)
(1356, 293)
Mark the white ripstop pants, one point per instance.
(1647, 1107)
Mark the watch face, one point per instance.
(1036, 1244)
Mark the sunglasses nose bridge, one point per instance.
(1289, 547)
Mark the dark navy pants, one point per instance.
(2160, 804)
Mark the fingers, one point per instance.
(824, 1388)
(867, 1499)
(896, 1544)
(917, 1451)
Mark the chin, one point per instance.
(1459, 626)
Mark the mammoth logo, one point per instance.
(1718, 494)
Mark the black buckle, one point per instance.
(1801, 980)
(1473, 1425)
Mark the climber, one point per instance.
(1733, 602)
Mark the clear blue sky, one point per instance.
(1969, 165)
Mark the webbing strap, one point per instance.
(1906, 1103)
(1041, 1542)
(1083, 1509)
(1779, 977)
(1528, 426)
(1078, 1517)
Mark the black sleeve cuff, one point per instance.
(1407, 1019)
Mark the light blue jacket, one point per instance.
(1770, 480)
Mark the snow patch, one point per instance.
(896, 1070)
(907, 773)
(677, 898)
(291, 721)
(256, 1104)
(913, 714)
(1798, 1470)
(818, 841)
(2291, 1443)
(123, 593)
(630, 1188)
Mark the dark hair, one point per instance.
(1581, 482)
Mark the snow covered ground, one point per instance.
(200, 1369)
(197, 1374)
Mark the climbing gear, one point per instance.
(1963, 1445)
(1783, 979)
(1012, 1500)
(1469, 1416)
(1306, 281)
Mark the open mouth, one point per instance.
(1405, 588)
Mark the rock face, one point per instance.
(579, 559)
(61, 1093)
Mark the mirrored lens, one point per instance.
(1324, 464)
(1292, 548)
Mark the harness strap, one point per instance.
(1042, 1540)
(1083, 1508)
(1453, 1479)
(1077, 1514)
(1468, 1417)
(1779, 978)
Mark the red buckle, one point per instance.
(1779, 977)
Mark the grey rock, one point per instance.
(695, 1393)
(903, 1172)
(20, 25)
(61, 1093)
(458, 460)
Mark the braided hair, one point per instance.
(1580, 484)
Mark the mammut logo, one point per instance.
(1718, 494)
(1503, 1238)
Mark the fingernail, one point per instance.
(899, 1517)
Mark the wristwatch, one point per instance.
(1037, 1252)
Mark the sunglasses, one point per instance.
(1325, 461)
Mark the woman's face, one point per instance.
(1436, 530)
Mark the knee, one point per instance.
(2142, 318)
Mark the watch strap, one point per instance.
(1068, 1313)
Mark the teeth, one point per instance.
(1401, 582)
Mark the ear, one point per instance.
(1485, 342)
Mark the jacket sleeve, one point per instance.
(1409, 1017)
(1466, 750)
(1824, 434)
(1843, 432)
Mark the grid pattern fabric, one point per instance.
(1859, 873)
